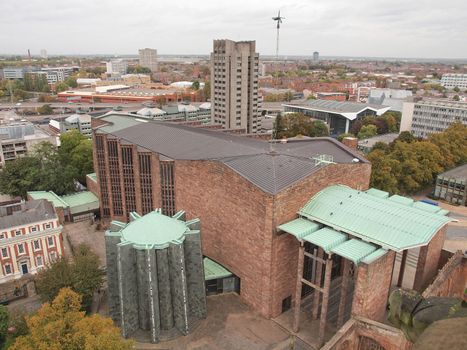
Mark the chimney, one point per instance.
(351, 142)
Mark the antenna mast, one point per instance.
(278, 19)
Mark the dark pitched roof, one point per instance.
(31, 212)
(270, 167)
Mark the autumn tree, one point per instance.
(83, 275)
(294, 124)
(60, 325)
(4, 321)
(367, 131)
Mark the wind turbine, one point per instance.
(278, 19)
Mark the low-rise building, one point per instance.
(79, 121)
(338, 115)
(394, 98)
(19, 137)
(367, 144)
(30, 238)
(116, 67)
(452, 186)
(430, 116)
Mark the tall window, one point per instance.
(128, 179)
(5, 252)
(39, 261)
(167, 187)
(100, 153)
(37, 245)
(115, 177)
(7, 269)
(50, 241)
(146, 182)
(20, 248)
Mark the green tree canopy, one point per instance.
(61, 86)
(195, 85)
(71, 82)
(60, 325)
(294, 124)
(45, 110)
(4, 322)
(83, 275)
(367, 131)
(138, 70)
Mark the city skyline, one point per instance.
(334, 28)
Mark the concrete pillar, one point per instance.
(298, 288)
(177, 271)
(112, 277)
(317, 294)
(347, 125)
(165, 297)
(195, 275)
(344, 292)
(325, 302)
(143, 290)
(153, 292)
(128, 290)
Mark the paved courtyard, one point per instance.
(230, 325)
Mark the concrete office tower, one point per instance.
(116, 67)
(155, 275)
(148, 59)
(316, 56)
(234, 85)
(44, 54)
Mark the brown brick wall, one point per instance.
(372, 288)
(287, 204)
(428, 261)
(92, 186)
(451, 280)
(239, 223)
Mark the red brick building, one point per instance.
(240, 188)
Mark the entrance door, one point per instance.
(24, 268)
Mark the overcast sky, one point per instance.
(380, 28)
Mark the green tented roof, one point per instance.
(354, 250)
(299, 227)
(81, 202)
(213, 270)
(400, 199)
(50, 196)
(326, 238)
(427, 207)
(385, 222)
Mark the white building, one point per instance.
(148, 59)
(116, 67)
(394, 98)
(79, 121)
(426, 117)
(234, 85)
(450, 81)
(30, 238)
(44, 54)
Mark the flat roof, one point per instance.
(50, 196)
(270, 167)
(457, 173)
(81, 202)
(370, 142)
(214, 271)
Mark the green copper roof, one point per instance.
(401, 199)
(375, 192)
(151, 231)
(374, 256)
(213, 270)
(299, 227)
(354, 250)
(50, 196)
(81, 202)
(92, 176)
(326, 238)
(385, 222)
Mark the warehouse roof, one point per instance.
(81, 202)
(50, 196)
(271, 167)
(349, 110)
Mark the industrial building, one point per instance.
(234, 85)
(155, 275)
(451, 186)
(338, 115)
(79, 121)
(430, 116)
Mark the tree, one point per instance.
(456, 98)
(61, 86)
(384, 171)
(4, 321)
(367, 131)
(456, 89)
(207, 90)
(341, 137)
(20, 176)
(45, 110)
(76, 151)
(138, 70)
(83, 275)
(295, 124)
(195, 85)
(405, 136)
(60, 325)
(71, 82)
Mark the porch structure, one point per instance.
(348, 241)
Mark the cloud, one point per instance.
(396, 28)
